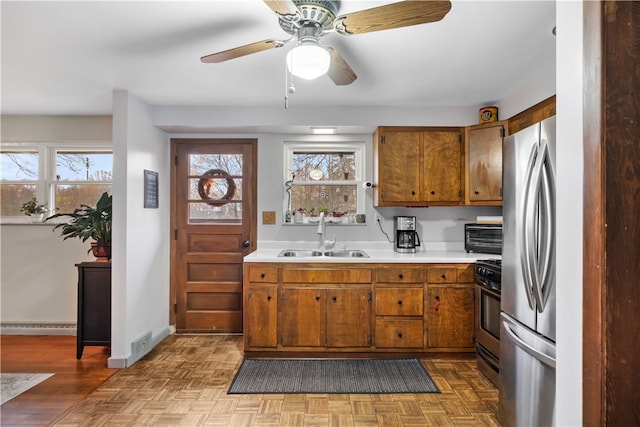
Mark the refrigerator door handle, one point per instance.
(549, 203)
(509, 327)
(542, 254)
(527, 231)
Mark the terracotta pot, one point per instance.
(101, 252)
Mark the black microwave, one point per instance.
(483, 238)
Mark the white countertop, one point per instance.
(376, 255)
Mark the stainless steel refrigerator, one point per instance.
(528, 303)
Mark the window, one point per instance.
(324, 177)
(61, 176)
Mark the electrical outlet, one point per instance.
(378, 218)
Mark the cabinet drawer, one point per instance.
(319, 275)
(444, 274)
(400, 333)
(263, 274)
(399, 301)
(466, 273)
(400, 275)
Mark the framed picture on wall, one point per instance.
(150, 189)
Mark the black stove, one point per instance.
(489, 273)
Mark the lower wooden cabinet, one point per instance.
(325, 318)
(261, 315)
(319, 308)
(450, 317)
(450, 307)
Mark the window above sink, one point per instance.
(323, 177)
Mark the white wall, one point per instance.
(38, 279)
(569, 163)
(140, 247)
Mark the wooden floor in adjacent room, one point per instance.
(73, 379)
(183, 382)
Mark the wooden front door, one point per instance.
(214, 184)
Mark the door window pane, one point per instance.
(199, 164)
(205, 213)
(215, 188)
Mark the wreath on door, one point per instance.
(206, 182)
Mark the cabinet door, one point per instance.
(303, 315)
(442, 166)
(348, 317)
(261, 316)
(398, 156)
(484, 156)
(450, 316)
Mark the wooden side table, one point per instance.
(94, 305)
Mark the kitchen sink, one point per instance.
(299, 253)
(305, 253)
(351, 253)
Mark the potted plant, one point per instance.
(88, 222)
(33, 208)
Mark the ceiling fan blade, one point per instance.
(282, 7)
(394, 15)
(339, 71)
(237, 52)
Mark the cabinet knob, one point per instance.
(317, 297)
(476, 192)
(268, 297)
(262, 276)
(399, 334)
(246, 244)
(437, 297)
(413, 193)
(334, 298)
(400, 276)
(443, 276)
(433, 192)
(400, 302)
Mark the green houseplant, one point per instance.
(87, 223)
(34, 209)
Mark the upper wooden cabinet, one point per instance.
(483, 171)
(418, 166)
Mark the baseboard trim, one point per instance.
(38, 328)
(120, 363)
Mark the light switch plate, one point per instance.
(268, 217)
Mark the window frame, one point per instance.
(357, 147)
(47, 182)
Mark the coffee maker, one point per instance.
(406, 237)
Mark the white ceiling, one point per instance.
(67, 57)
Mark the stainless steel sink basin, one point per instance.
(351, 253)
(306, 253)
(299, 253)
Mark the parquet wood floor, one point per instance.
(183, 382)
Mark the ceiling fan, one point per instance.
(308, 20)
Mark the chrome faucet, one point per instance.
(322, 228)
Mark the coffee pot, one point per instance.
(406, 238)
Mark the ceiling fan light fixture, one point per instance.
(308, 60)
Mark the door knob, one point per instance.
(246, 244)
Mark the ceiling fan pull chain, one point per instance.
(288, 86)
